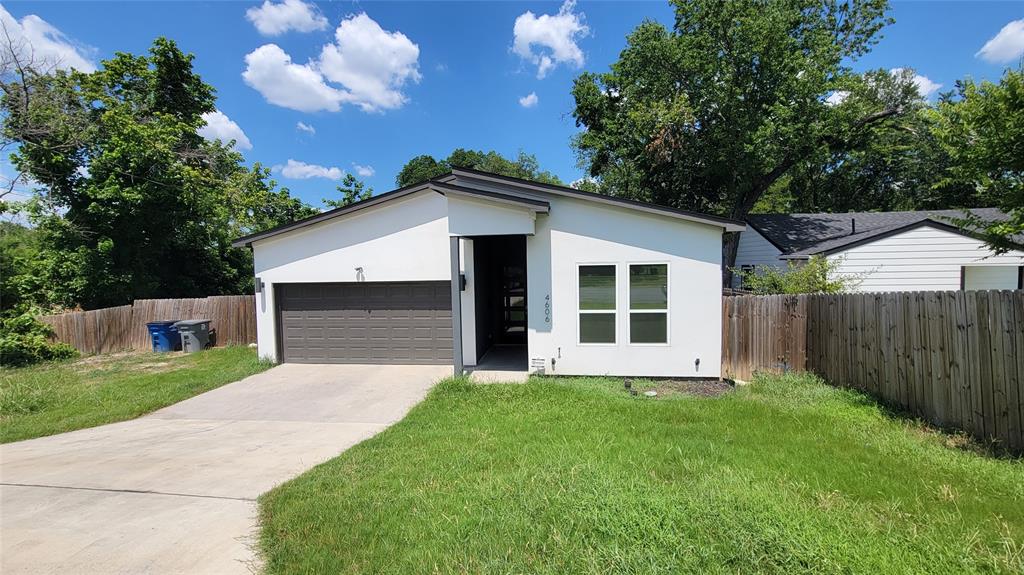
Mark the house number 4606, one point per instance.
(547, 308)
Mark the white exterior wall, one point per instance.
(409, 243)
(408, 240)
(755, 250)
(921, 259)
(579, 232)
(470, 217)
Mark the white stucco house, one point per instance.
(473, 268)
(885, 251)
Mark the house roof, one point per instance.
(729, 225)
(532, 204)
(802, 235)
(448, 185)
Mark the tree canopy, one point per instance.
(980, 127)
(713, 113)
(352, 190)
(129, 201)
(423, 168)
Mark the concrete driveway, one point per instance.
(174, 492)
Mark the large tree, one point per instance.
(893, 169)
(130, 202)
(712, 114)
(981, 128)
(423, 168)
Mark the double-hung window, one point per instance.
(648, 303)
(597, 303)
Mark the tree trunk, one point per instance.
(730, 243)
(746, 201)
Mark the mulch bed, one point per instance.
(676, 387)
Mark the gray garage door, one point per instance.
(399, 322)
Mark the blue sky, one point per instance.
(376, 83)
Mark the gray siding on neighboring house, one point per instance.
(755, 250)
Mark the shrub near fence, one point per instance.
(123, 328)
(955, 359)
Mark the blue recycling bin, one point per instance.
(165, 335)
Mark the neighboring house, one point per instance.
(548, 278)
(884, 251)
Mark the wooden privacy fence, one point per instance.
(763, 332)
(954, 358)
(123, 328)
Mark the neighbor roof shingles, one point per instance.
(801, 235)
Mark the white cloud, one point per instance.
(369, 65)
(925, 86)
(48, 45)
(300, 87)
(1006, 46)
(220, 127)
(370, 62)
(275, 19)
(297, 170)
(548, 40)
(364, 171)
(529, 100)
(837, 97)
(304, 127)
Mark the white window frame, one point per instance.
(614, 312)
(668, 304)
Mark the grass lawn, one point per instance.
(574, 476)
(57, 397)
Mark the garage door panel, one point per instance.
(400, 322)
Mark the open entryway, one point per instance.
(500, 302)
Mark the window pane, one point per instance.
(648, 286)
(648, 328)
(597, 328)
(597, 287)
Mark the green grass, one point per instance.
(58, 397)
(574, 476)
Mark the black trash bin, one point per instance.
(195, 334)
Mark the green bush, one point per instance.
(816, 275)
(24, 340)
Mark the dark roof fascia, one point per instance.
(246, 241)
(726, 223)
(766, 237)
(538, 206)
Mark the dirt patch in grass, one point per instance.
(133, 361)
(675, 387)
(104, 359)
